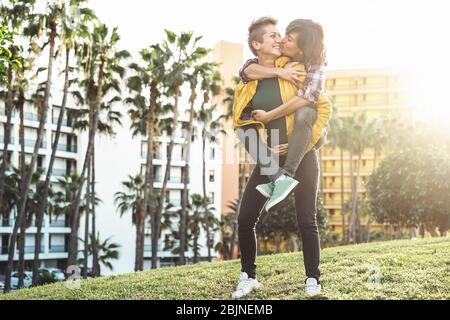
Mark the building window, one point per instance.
(212, 153)
(331, 195)
(194, 133)
(40, 161)
(364, 163)
(166, 242)
(211, 175)
(332, 212)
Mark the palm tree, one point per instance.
(32, 203)
(70, 185)
(70, 33)
(208, 73)
(210, 131)
(14, 14)
(228, 228)
(339, 138)
(377, 139)
(131, 199)
(99, 62)
(185, 53)
(194, 224)
(40, 22)
(359, 128)
(148, 77)
(106, 251)
(229, 97)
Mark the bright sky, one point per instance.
(405, 34)
(359, 33)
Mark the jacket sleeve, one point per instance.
(324, 113)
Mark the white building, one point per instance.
(68, 157)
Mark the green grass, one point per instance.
(403, 269)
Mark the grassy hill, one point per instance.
(403, 269)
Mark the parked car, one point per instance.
(55, 273)
(27, 279)
(2, 286)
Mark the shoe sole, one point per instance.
(283, 196)
(254, 289)
(314, 293)
(263, 192)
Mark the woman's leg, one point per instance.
(306, 207)
(300, 138)
(298, 145)
(249, 137)
(250, 209)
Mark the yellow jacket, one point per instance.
(245, 92)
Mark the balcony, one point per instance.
(11, 140)
(65, 122)
(157, 155)
(66, 147)
(175, 201)
(148, 247)
(31, 116)
(333, 202)
(6, 222)
(57, 248)
(58, 224)
(159, 179)
(177, 157)
(30, 249)
(59, 172)
(30, 143)
(33, 223)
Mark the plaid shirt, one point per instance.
(313, 85)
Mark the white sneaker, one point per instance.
(245, 286)
(312, 287)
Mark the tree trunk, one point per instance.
(355, 198)
(86, 223)
(95, 261)
(352, 185)
(43, 198)
(23, 196)
(148, 184)
(21, 268)
(95, 110)
(186, 180)
(195, 259)
(7, 133)
(157, 222)
(140, 229)
(342, 194)
(21, 104)
(205, 197)
(369, 222)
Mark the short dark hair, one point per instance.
(309, 41)
(256, 30)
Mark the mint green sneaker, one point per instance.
(266, 189)
(282, 188)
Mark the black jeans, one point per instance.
(252, 204)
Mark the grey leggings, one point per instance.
(297, 145)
